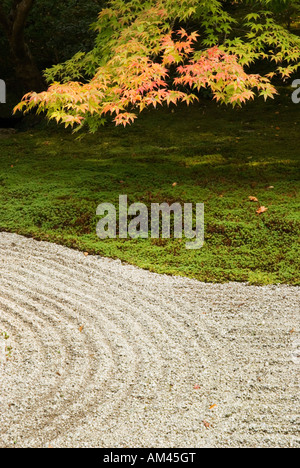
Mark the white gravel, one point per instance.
(160, 361)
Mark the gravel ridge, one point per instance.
(95, 353)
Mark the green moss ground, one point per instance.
(51, 184)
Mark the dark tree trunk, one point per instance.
(13, 25)
(27, 72)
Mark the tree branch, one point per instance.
(4, 22)
(13, 24)
(21, 11)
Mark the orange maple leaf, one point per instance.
(261, 210)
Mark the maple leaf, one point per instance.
(261, 210)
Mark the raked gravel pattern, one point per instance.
(94, 353)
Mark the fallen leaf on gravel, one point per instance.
(292, 331)
(261, 210)
(86, 254)
(212, 407)
(254, 199)
(206, 424)
(197, 387)
(81, 328)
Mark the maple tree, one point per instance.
(146, 54)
